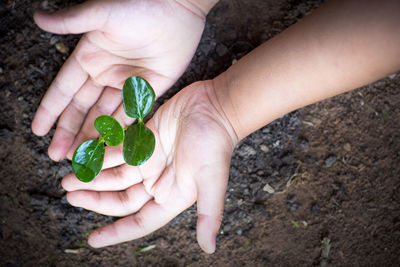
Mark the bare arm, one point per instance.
(340, 46)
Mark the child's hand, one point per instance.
(152, 39)
(194, 143)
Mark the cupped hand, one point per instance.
(153, 39)
(194, 144)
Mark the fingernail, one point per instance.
(212, 245)
(209, 247)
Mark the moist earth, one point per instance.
(317, 187)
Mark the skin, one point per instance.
(122, 38)
(340, 46)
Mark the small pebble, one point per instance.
(246, 151)
(269, 189)
(227, 228)
(264, 148)
(347, 147)
(330, 161)
(62, 48)
(276, 144)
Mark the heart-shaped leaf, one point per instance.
(110, 129)
(138, 97)
(138, 145)
(88, 160)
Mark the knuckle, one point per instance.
(123, 198)
(138, 221)
(79, 105)
(119, 172)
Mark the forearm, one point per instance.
(341, 46)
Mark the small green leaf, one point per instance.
(138, 145)
(138, 97)
(141, 250)
(88, 160)
(110, 129)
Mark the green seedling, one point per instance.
(295, 224)
(138, 141)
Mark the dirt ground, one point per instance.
(334, 166)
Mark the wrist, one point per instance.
(198, 7)
(251, 98)
(219, 112)
(221, 90)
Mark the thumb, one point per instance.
(81, 18)
(211, 190)
(163, 187)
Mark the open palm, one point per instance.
(194, 143)
(153, 39)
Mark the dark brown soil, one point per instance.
(340, 157)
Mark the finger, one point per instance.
(113, 179)
(113, 157)
(106, 105)
(69, 79)
(162, 188)
(211, 188)
(72, 118)
(121, 116)
(85, 17)
(149, 218)
(111, 203)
